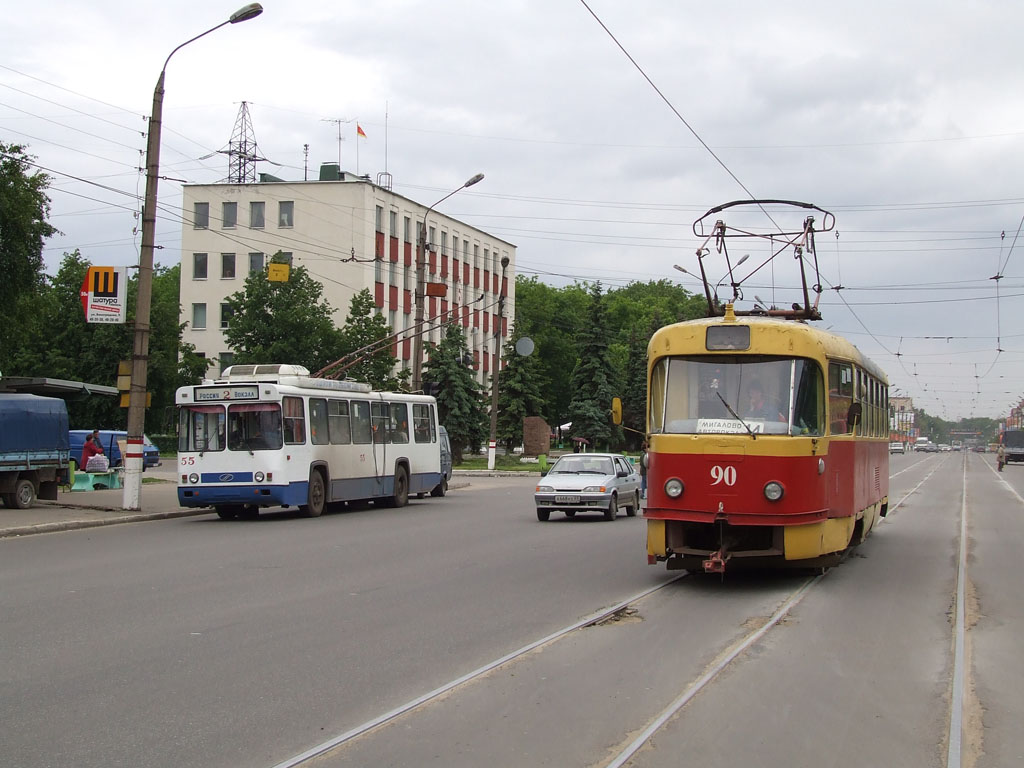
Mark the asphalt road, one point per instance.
(198, 642)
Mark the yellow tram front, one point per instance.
(768, 444)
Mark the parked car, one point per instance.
(446, 463)
(108, 439)
(897, 448)
(589, 482)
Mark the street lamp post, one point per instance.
(492, 445)
(421, 287)
(140, 350)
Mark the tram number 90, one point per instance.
(720, 474)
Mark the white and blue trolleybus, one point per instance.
(272, 436)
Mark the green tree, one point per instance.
(282, 322)
(593, 381)
(24, 208)
(634, 393)
(361, 339)
(519, 393)
(459, 397)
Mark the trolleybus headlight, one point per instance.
(674, 488)
(193, 478)
(259, 477)
(773, 491)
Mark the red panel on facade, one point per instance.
(476, 277)
(465, 273)
(406, 301)
(407, 253)
(444, 309)
(393, 297)
(444, 266)
(504, 326)
(487, 280)
(432, 307)
(487, 317)
(378, 245)
(455, 270)
(476, 318)
(394, 249)
(378, 295)
(465, 317)
(495, 288)
(487, 362)
(433, 262)
(504, 286)
(405, 349)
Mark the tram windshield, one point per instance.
(737, 394)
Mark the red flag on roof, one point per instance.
(360, 131)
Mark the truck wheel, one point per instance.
(24, 494)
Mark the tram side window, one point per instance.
(840, 396)
(201, 428)
(361, 422)
(318, 421)
(379, 422)
(659, 382)
(421, 423)
(294, 421)
(399, 422)
(808, 408)
(337, 422)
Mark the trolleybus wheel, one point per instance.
(401, 497)
(633, 508)
(227, 511)
(543, 515)
(441, 488)
(315, 499)
(613, 508)
(249, 512)
(24, 494)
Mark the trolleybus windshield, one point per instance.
(737, 394)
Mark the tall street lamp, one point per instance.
(492, 445)
(140, 351)
(421, 288)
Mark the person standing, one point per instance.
(643, 470)
(91, 448)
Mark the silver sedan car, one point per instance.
(589, 482)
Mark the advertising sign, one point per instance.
(104, 294)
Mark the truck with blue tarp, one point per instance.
(34, 448)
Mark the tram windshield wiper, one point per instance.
(736, 416)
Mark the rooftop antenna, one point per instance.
(384, 179)
(305, 162)
(337, 121)
(242, 151)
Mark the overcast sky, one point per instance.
(904, 119)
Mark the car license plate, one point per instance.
(567, 499)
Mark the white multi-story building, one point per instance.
(350, 234)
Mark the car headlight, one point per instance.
(544, 489)
(773, 491)
(594, 489)
(674, 488)
(259, 477)
(193, 478)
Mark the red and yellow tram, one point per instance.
(768, 444)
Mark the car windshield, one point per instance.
(581, 465)
(736, 394)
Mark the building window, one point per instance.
(226, 359)
(201, 216)
(444, 243)
(284, 257)
(431, 234)
(226, 313)
(198, 266)
(405, 278)
(227, 266)
(255, 262)
(378, 270)
(229, 215)
(391, 272)
(198, 317)
(391, 321)
(257, 215)
(379, 221)
(393, 224)
(406, 229)
(286, 213)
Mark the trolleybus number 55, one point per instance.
(722, 474)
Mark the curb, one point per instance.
(70, 525)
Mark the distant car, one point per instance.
(589, 482)
(108, 439)
(897, 448)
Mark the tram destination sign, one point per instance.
(234, 392)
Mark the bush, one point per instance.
(168, 444)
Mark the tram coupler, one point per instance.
(716, 563)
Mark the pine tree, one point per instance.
(592, 383)
(360, 340)
(459, 397)
(520, 384)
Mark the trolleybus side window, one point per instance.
(421, 423)
(294, 421)
(201, 428)
(361, 422)
(318, 421)
(337, 422)
(379, 422)
(399, 422)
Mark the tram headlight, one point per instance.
(193, 478)
(773, 491)
(674, 488)
(259, 477)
